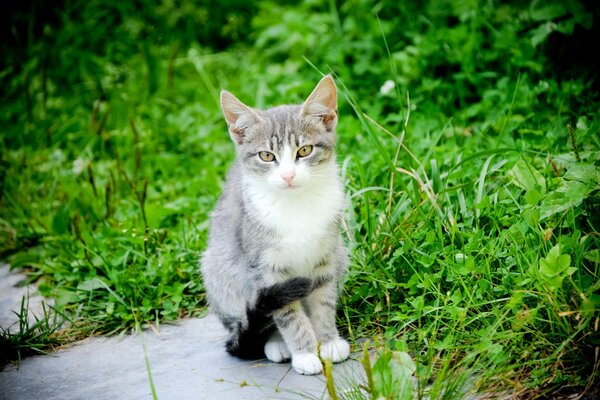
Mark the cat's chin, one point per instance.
(291, 187)
(288, 188)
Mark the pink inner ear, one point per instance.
(330, 99)
(230, 117)
(323, 96)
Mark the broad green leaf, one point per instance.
(527, 177)
(541, 33)
(466, 267)
(531, 216)
(92, 284)
(569, 194)
(554, 263)
(533, 197)
(404, 362)
(418, 303)
(575, 191)
(593, 256)
(555, 267)
(382, 375)
(546, 12)
(582, 123)
(392, 375)
(566, 27)
(583, 173)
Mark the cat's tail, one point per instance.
(281, 294)
(247, 342)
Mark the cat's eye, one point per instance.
(305, 150)
(266, 156)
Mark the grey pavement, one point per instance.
(187, 360)
(12, 291)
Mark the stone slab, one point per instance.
(187, 360)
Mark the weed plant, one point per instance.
(469, 140)
(33, 334)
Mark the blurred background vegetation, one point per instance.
(468, 138)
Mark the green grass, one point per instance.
(473, 182)
(33, 334)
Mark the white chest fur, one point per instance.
(303, 222)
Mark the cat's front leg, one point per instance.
(322, 304)
(276, 350)
(297, 331)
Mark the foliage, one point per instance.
(35, 334)
(469, 141)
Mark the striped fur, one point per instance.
(275, 260)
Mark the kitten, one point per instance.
(275, 257)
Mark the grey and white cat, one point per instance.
(275, 259)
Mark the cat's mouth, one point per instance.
(290, 186)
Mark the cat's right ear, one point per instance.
(239, 116)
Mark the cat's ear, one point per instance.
(322, 103)
(239, 116)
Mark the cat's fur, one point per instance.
(275, 258)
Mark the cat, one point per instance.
(275, 259)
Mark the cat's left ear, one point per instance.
(322, 103)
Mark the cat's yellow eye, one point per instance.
(305, 150)
(266, 156)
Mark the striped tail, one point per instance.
(248, 342)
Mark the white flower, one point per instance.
(80, 165)
(58, 156)
(387, 87)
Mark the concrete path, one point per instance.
(12, 292)
(186, 361)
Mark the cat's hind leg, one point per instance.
(249, 335)
(247, 338)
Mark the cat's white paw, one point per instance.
(337, 350)
(306, 363)
(276, 350)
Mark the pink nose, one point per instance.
(288, 177)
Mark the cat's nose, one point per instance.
(288, 176)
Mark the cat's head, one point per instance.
(286, 147)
